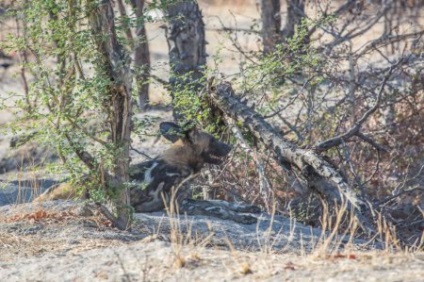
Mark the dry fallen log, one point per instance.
(321, 176)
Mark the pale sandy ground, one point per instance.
(156, 261)
(68, 244)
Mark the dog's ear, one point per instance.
(171, 131)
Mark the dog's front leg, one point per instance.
(219, 209)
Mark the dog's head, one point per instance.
(201, 146)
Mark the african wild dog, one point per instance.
(156, 182)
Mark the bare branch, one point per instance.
(370, 141)
(264, 184)
(386, 40)
(388, 199)
(141, 153)
(321, 175)
(355, 130)
(84, 156)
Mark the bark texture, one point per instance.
(322, 177)
(271, 24)
(141, 57)
(118, 103)
(187, 52)
(295, 14)
(272, 32)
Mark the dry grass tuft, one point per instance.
(245, 268)
(179, 261)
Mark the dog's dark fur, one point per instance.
(159, 180)
(157, 184)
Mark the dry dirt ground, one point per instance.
(65, 241)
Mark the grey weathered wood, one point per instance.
(322, 177)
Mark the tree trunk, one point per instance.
(272, 34)
(115, 64)
(322, 177)
(295, 14)
(141, 57)
(187, 52)
(271, 24)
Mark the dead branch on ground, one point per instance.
(321, 176)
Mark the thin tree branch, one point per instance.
(355, 130)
